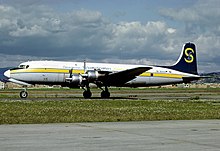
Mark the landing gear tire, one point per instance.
(87, 94)
(23, 94)
(105, 94)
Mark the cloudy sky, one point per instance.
(149, 32)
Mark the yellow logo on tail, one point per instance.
(189, 55)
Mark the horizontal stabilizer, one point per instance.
(189, 79)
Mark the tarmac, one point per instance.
(118, 136)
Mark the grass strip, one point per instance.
(36, 112)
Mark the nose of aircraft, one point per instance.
(3, 75)
(7, 73)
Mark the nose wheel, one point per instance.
(23, 94)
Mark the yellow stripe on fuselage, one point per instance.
(166, 75)
(45, 70)
(66, 71)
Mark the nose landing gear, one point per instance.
(24, 93)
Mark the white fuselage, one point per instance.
(56, 72)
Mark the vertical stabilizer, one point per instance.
(187, 61)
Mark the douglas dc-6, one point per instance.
(81, 74)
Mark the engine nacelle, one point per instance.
(75, 80)
(80, 80)
(93, 75)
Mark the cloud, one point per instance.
(31, 31)
(77, 32)
(138, 39)
(40, 31)
(203, 17)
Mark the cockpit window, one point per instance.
(23, 66)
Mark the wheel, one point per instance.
(105, 94)
(87, 94)
(23, 94)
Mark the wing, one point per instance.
(121, 77)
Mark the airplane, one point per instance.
(104, 75)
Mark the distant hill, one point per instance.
(215, 78)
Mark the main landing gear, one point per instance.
(88, 94)
(105, 93)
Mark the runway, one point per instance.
(121, 136)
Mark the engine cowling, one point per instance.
(93, 75)
(80, 80)
(75, 80)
